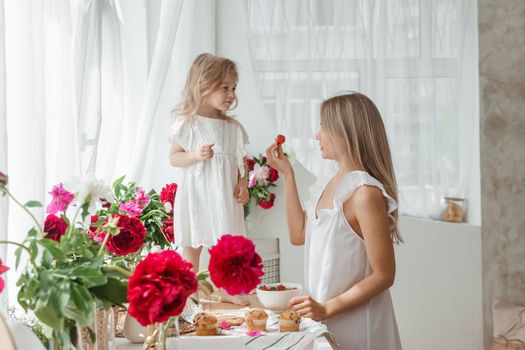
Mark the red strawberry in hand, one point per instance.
(280, 139)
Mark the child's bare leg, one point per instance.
(233, 299)
(193, 255)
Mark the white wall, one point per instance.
(437, 295)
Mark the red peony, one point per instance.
(168, 193)
(54, 227)
(105, 203)
(250, 163)
(167, 229)
(234, 264)
(267, 204)
(3, 269)
(159, 287)
(3, 179)
(273, 174)
(130, 238)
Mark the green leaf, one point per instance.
(50, 315)
(89, 276)
(53, 297)
(33, 204)
(34, 250)
(18, 253)
(85, 210)
(31, 233)
(117, 185)
(81, 306)
(53, 247)
(115, 292)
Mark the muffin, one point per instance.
(256, 320)
(205, 323)
(289, 321)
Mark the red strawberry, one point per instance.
(280, 139)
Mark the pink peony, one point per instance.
(132, 208)
(61, 199)
(141, 197)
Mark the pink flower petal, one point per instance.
(255, 333)
(61, 199)
(225, 325)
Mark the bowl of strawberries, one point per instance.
(275, 296)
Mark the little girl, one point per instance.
(210, 147)
(348, 227)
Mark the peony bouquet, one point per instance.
(261, 177)
(66, 276)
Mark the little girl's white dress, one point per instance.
(336, 260)
(204, 207)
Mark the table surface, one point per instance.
(217, 342)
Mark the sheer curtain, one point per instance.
(80, 83)
(417, 59)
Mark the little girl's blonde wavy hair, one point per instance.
(354, 120)
(207, 73)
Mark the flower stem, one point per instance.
(103, 245)
(164, 334)
(144, 217)
(23, 247)
(202, 272)
(26, 210)
(72, 223)
(118, 269)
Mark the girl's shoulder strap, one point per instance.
(355, 179)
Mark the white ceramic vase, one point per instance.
(133, 330)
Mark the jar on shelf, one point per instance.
(454, 209)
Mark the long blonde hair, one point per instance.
(207, 73)
(354, 118)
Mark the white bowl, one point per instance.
(278, 300)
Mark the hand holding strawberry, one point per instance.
(276, 157)
(280, 139)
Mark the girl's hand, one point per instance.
(241, 193)
(276, 159)
(306, 306)
(204, 152)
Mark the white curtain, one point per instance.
(417, 59)
(3, 140)
(79, 89)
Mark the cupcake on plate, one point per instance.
(205, 323)
(256, 320)
(289, 321)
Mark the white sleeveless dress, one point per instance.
(204, 207)
(336, 259)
